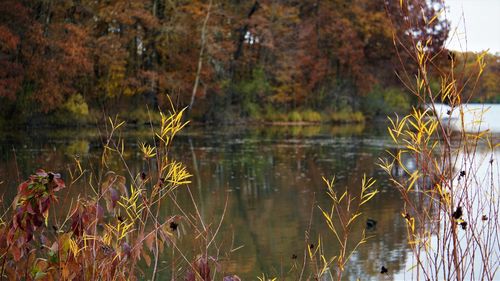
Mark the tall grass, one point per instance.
(451, 196)
(345, 210)
(117, 232)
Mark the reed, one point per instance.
(451, 196)
(118, 232)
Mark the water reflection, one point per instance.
(269, 175)
(472, 117)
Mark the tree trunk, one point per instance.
(200, 58)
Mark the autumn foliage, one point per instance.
(31, 208)
(321, 55)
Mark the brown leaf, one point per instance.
(147, 258)
(149, 241)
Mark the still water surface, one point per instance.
(272, 177)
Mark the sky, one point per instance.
(481, 28)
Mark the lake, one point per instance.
(272, 178)
(471, 118)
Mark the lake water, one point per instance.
(272, 177)
(472, 117)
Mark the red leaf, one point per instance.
(16, 252)
(23, 187)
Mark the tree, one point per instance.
(14, 23)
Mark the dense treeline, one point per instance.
(228, 59)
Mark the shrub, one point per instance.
(141, 116)
(396, 100)
(311, 116)
(272, 115)
(357, 117)
(294, 116)
(383, 102)
(76, 105)
(252, 110)
(347, 117)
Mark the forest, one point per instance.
(101, 196)
(228, 61)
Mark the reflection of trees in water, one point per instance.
(272, 185)
(272, 177)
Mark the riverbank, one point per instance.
(144, 117)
